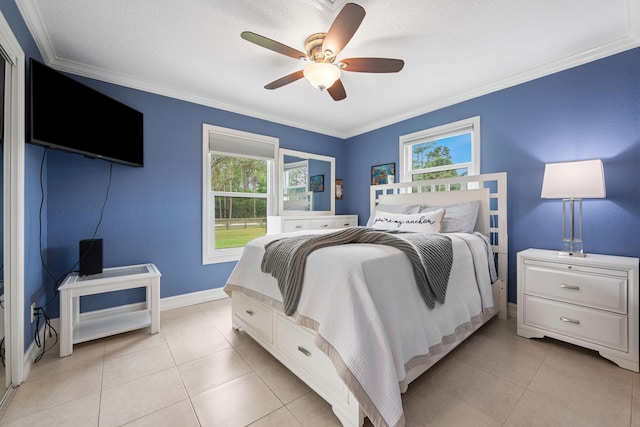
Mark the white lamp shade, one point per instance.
(574, 180)
(322, 75)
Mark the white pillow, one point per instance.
(402, 209)
(426, 222)
(459, 218)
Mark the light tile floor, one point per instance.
(198, 371)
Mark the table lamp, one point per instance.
(572, 182)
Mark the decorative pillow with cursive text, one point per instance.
(426, 222)
(398, 209)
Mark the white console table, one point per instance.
(73, 330)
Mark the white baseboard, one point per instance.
(33, 351)
(168, 303)
(192, 298)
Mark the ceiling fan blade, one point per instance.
(285, 80)
(337, 91)
(272, 45)
(372, 65)
(343, 28)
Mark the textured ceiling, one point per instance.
(453, 50)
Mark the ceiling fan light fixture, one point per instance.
(322, 75)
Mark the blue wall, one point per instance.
(591, 111)
(153, 214)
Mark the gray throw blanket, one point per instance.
(431, 257)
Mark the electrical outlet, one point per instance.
(33, 311)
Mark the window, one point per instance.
(238, 190)
(445, 151)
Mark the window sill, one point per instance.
(224, 255)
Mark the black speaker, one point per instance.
(90, 257)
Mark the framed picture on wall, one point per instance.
(339, 189)
(316, 183)
(383, 174)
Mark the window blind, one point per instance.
(240, 146)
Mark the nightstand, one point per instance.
(591, 302)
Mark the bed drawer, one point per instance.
(257, 316)
(298, 344)
(598, 291)
(597, 326)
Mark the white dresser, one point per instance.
(591, 302)
(288, 223)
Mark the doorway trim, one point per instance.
(13, 193)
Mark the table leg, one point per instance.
(66, 324)
(153, 302)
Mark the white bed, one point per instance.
(361, 332)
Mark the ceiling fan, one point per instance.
(322, 50)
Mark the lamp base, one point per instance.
(573, 254)
(572, 248)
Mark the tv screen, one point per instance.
(67, 115)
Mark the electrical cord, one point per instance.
(39, 312)
(95, 231)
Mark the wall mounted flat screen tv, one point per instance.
(68, 115)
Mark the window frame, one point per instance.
(406, 142)
(211, 255)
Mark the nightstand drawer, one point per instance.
(596, 326)
(598, 291)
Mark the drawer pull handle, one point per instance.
(571, 287)
(298, 226)
(249, 312)
(566, 319)
(304, 351)
(324, 225)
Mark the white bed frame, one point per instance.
(294, 345)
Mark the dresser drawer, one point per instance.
(296, 225)
(298, 344)
(596, 326)
(598, 291)
(346, 222)
(256, 316)
(320, 224)
(289, 223)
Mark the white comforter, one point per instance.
(370, 318)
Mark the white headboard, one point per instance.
(490, 189)
(444, 198)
